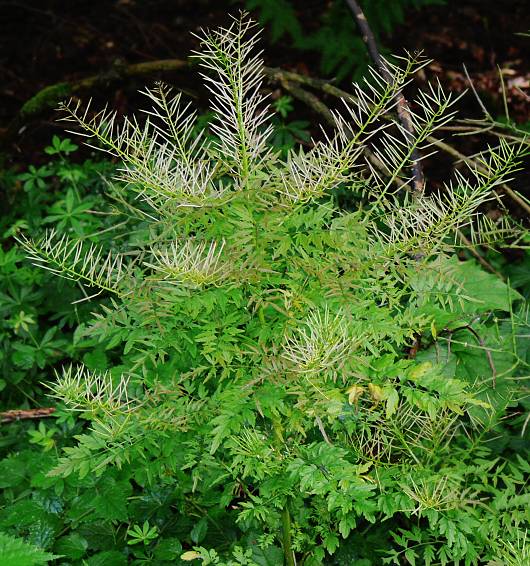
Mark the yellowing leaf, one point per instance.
(190, 555)
(478, 403)
(376, 392)
(433, 330)
(354, 393)
(363, 468)
(417, 372)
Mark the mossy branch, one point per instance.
(25, 414)
(50, 96)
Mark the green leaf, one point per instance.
(392, 401)
(107, 558)
(428, 554)
(270, 556)
(411, 555)
(168, 549)
(331, 542)
(24, 357)
(96, 360)
(72, 546)
(110, 501)
(24, 512)
(17, 552)
(199, 531)
(486, 291)
(12, 472)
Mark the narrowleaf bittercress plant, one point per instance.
(287, 373)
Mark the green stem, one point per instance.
(286, 537)
(286, 516)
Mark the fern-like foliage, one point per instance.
(91, 392)
(321, 345)
(423, 223)
(75, 260)
(236, 98)
(325, 366)
(195, 263)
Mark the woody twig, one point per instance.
(403, 109)
(26, 414)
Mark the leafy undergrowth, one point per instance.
(245, 373)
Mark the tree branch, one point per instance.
(25, 414)
(320, 108)
(51, 96)
(403, 109)
(286, 78)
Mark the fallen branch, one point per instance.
(50, 96)
(25, 414)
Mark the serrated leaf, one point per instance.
(331, 542)
(107, 558)
(270, 556)
(428, 554)
(111, 500)
(22, 513)
(410, 555)
(17, 552)
(96, 360)
(72, 546)
(12, 472)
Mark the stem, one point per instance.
(23, 414)
(286, 537)
(286, 516)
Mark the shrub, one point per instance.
(272, 374)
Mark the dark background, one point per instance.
(45, 42)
